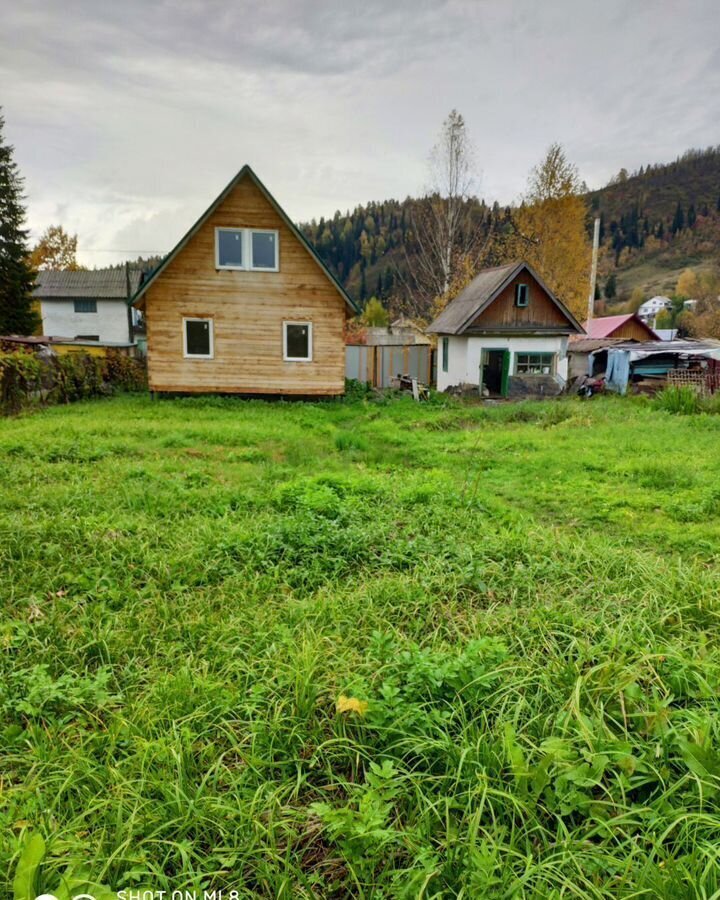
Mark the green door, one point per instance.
(494, 371)
(505, 373)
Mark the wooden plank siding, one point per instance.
(633, 330)
(503, 316)
(248, 310)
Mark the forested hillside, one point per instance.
(370, 247)
(658, 221)
(654, 223)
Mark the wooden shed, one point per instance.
(243, 304)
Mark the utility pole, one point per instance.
(593, 270)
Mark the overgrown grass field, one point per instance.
(362, 649)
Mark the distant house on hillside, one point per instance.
(507, 333)
(652, 308)
(628, 327)
(243, 304)
(87, 305)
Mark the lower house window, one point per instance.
(445, 354)
(297, 341)
(87, 337)
(198, 338)
(85, 306)
(535, 363)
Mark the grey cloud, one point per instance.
(128, 117)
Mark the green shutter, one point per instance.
(445, 353)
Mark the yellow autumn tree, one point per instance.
(56, 250)
(688, 286)
(374, 313)
(551, 231)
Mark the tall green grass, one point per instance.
(360, 649)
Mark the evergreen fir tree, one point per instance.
(678, 222)
(610, 286)
(16, 277)
(692, 216)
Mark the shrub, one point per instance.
(27, 377)
(682, 400)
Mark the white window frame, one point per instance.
(211, 354)
(300, 359)
(246, 243)
(243, 247)
(551, 353)
(250, 233)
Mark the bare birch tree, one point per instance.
(446, 231)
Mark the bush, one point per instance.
(682, 401)
(27, 378)
(686, 401)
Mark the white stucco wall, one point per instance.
(465, 352)
(110, 322)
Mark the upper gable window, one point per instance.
(229, 248)
(249, 249)
(264, 250)
(522, 294)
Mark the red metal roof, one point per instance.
(606, 326)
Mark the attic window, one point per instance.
(522, 295)
(249, 249)
(264, 250)
(229, 248)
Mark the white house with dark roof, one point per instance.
(87, 305)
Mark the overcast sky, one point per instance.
(128, 117)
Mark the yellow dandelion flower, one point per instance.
(351, 704)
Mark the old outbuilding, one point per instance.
(506, 334)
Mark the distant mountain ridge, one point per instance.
(654, 223)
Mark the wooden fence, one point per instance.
(377, 365)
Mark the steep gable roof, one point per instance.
(480, 293)
(245, 172)
(101, 284)
(606, 326)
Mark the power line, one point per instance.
(116, 250)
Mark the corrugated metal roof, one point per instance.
(677, 346)
(480, 293)
(103, 284)
(590, 345)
